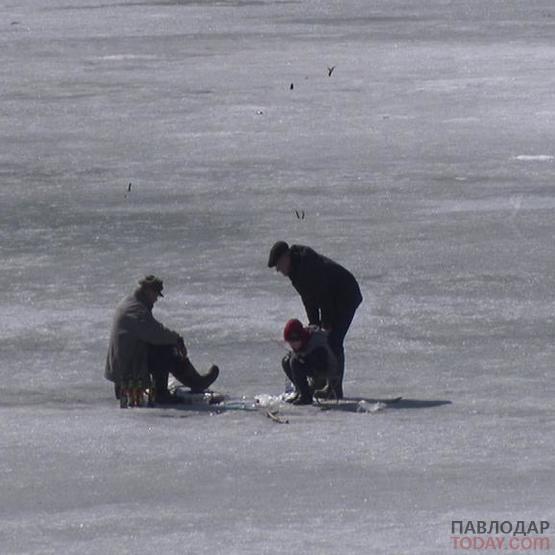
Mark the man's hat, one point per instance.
(154, 283)
(279, 249)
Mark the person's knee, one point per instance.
(286, 365)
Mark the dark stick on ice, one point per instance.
(330, 70)
(291, 86)
(300, 214)
(129, 188)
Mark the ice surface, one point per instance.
(424, 165)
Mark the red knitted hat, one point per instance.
(295, 331)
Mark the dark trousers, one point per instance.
(340, 327)
(162, 360)
(166, 359)
(298, 373)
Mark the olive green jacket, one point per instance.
(133, 330)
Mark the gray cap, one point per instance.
(153, 282)
(277, 251)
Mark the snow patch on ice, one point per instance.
(120, 57)
(493, 204)
(534, 157)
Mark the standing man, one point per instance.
(143, 350)
(329, 292)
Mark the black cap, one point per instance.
(279, 249)
(154, 283)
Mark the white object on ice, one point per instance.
(270, 402)
(366, 407)
(187, 397)
(534, 157)
(240, 405)
(289, 387)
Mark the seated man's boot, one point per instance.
(206, 380)
(187, 374)
(160, 386)
(166, 398)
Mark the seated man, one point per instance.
(144, 351)
(311, 358)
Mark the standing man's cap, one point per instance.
(154, 283)
(279, 248)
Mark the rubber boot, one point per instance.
(316, 382)
(329, 391)
(338, 384)
(161, 394)
(301, 384)
(187, 374)
(289, 384)
(293, 398)
(303, 400)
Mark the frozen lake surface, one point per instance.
(424, 164)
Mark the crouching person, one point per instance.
(143, 351)
(311, 364)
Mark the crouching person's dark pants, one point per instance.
(299, 373)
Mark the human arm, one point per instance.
(149, 330)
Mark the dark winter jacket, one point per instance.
(133, 330)
(328, 290)
(316, 358)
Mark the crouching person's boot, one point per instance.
(187, 374)
(290, 389)
(332, 390)
(304, 393)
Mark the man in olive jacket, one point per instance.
(140, 346)
(329, 292)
